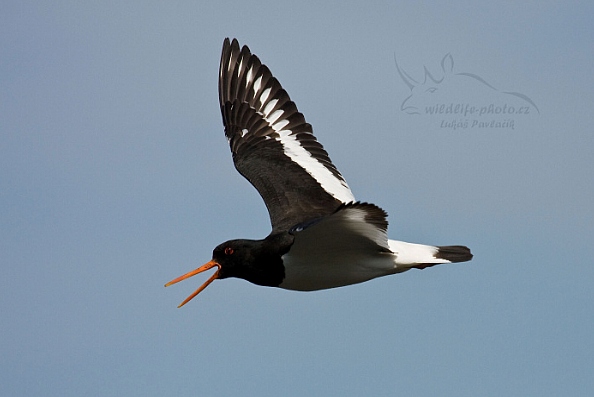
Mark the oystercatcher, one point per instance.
(321, 236)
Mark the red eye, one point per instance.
(228, 251)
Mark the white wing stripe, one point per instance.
(280, 125)
(257, 85)
(275, 116)
(264, 96)
(240, 67)
(334, 186)
(269, 106)
(249, 77)
(292, 147)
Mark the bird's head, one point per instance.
(233, 258)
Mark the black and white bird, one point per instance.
(321, 236)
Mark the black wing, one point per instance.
(272, 145)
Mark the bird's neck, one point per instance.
(266, 267)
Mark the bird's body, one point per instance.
(321, 236)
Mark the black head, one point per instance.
(257, 261)
(235, 257)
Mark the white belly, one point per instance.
(309, 272)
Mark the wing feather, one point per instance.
(272, 145)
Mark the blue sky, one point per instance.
(116, 178)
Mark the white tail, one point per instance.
(421, 256)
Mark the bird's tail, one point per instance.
(419, 256)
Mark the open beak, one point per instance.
(205, 267)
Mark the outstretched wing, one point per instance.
(272, 145)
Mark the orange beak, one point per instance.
(205, 267)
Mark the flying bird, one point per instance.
(321, 236)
